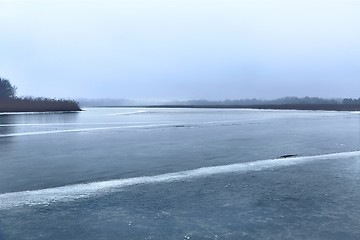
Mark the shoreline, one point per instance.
(304, 107)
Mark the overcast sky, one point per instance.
(181, 49)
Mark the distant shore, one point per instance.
(323, 107)
(38, 105)
(284, 103)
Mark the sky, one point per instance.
(181, 49)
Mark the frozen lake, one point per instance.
(122, 173)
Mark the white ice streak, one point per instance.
(71, 124)
(125, 113)
(35, 113)
(80, 191)
(80, 130)
(114, 128)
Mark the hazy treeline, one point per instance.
(295, 103)
(10, 103)
(204, 102)
(351, 101)
(286, 103)
(108, 102)
(254, 101)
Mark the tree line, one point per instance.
(279, 101)
(9, 102)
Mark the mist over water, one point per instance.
(120, 173)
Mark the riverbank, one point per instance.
(38, 105)
(323, 107)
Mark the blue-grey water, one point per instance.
(122, 173)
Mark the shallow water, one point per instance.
(121, 173)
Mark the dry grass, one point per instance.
(37, 105)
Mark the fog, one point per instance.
(165, 50)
